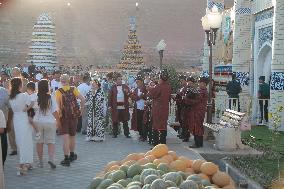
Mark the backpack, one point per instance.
(70, 106)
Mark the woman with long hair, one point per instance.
(95, 99)
(20, 103)
(47, 119)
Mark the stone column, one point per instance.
(242, 42)
(277, 66)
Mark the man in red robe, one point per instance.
(196, 116)
(139, 96)
(119, 106)
(161, 95)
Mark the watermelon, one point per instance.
(147, 186)
(171, 183)
(173, 188)
(133, 170)
(161, 172)
(124, 168)
(150, 165)
(150, 178)
(194, 177)
(183, 174)
(134, 183)
(123, 182)
(205, 182)
(115, 186)
(174, 177)
(105, 183)
(163, 167)
(95, 183)
(118, 175)
(189, 184)
(134, 187)
(136, 178)
(147, 172)
(159, 184)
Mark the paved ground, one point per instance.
(92, 158)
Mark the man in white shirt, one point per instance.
(84, 88)
(55, 83)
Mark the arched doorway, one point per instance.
(263, 65)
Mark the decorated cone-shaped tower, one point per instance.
(43, 49)
(132, 57)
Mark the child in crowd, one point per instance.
(31, 112)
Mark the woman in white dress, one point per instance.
(20, 103)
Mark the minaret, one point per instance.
(43, 49)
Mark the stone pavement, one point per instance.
(92, 157)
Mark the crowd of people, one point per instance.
(36, 108)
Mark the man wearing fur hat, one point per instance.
(161, 95)
(119, 106)
(180, 108)
(197, 100)
(139, 96)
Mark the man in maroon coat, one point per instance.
(139, 96)
(119, 106)
(197, 112)
(161, 95)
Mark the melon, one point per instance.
(178, 165)
(95, 182)
(159, 184)
(189, 184)
(110, 164)
(172, 188)
(221, 179)
(151, 158)
(209, 168)
(205, 182)
(187, 161)
(134, 170)
(123, 182)
(173, 154)
(194, 177)
(113, 168)
(196, 165)
(230, 186)
(118, 175)
(115, 186)
(136, 178)
(135, 156)
(147, 186)
(150, 178)
(163, 167)
(168, 158)
(174, 177)
(143, 161)
(136, 183)
(147, 172)
(148, 153)
(105, 183)
(151, 165)
(134, 187)
(124, 168)
(129, 163)
(171, 183)
(160, 150)
(203, 176)
(183, 175)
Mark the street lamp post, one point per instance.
(161, 48)
(211, 22)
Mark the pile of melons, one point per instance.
(160, 168)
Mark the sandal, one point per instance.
(22, 171)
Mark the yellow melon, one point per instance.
(135, 156)
(110, 164)
(143, 161)
(209, 168)
(173, 154)
(221, 179)
(151, 158)
(148, 153)
(113, 168)
(160, 150)
(178, 165)
(196, 164)
(130, 162)
(186, 160)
